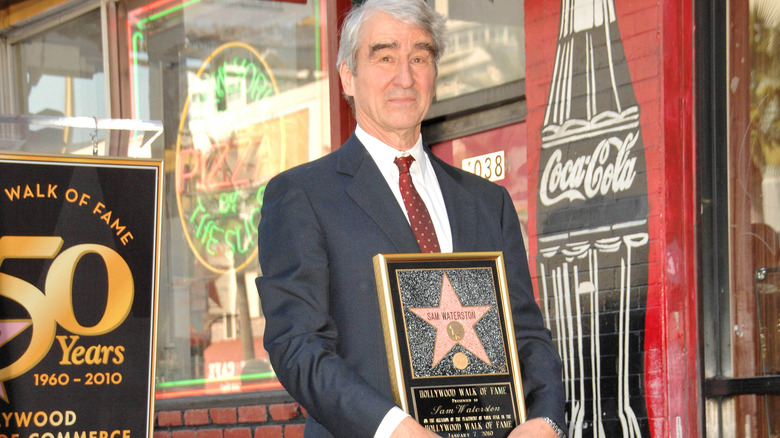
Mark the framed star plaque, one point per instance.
(450, 341)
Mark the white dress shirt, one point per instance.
(423, 177)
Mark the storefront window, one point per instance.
(59, 73)
(242, 90)
(485, 45)
(754, 206)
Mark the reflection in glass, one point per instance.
(485, 45)
(754, 204)
(768, 321)
(241, 88)
(60, 73)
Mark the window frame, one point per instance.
(46, 21)
(712, 23)
(475, 112)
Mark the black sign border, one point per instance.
(127, 163)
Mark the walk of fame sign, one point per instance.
(450, 341)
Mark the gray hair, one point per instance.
(414, 12)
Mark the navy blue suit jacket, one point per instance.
(322, 223)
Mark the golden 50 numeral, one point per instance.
(55, 306)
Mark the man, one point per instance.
(324, 221)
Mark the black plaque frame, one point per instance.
(79, 235)
(451, 383)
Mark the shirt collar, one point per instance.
(384, 153)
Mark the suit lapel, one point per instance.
(369, 191)
(461, 207)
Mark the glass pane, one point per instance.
(768, 316)
(754, 181)
(485, 45)
(242, 90)
(761, 420)
(59, 72)
(754, 205)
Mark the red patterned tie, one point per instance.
(419, 217)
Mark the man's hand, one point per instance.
(533, 428)
(409, 428)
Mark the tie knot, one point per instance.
(404, 163)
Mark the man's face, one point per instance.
(395, 79)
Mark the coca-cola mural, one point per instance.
(592, 224)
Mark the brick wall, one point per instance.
(614, 370)
(272, 420)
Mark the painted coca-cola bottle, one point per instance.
(592, 228)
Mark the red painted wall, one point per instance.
(657, 42)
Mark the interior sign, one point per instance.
(79, 263)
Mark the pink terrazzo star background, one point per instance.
(435, 316)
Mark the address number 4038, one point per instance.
(490, 166)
